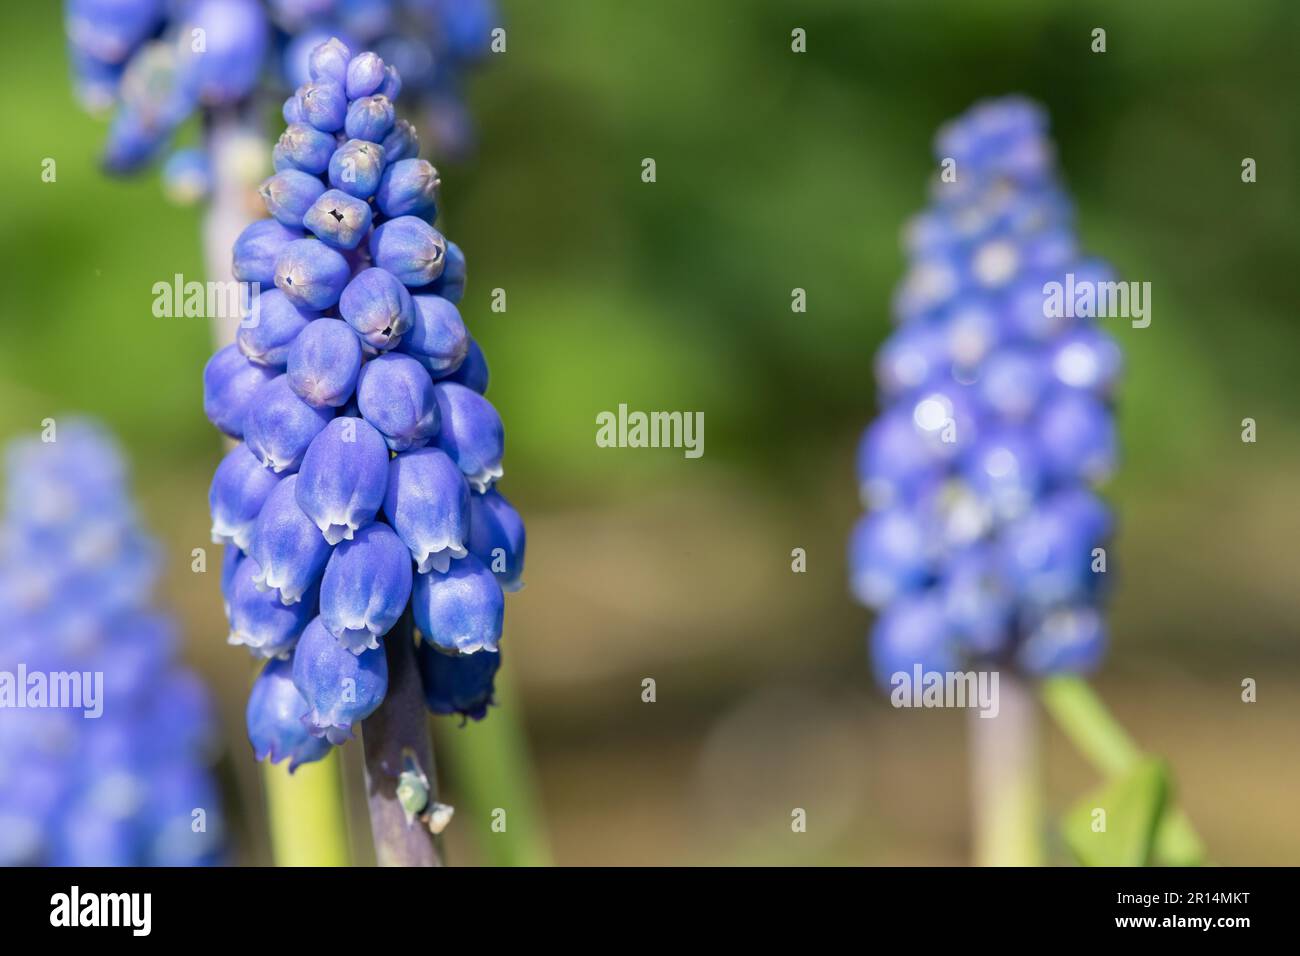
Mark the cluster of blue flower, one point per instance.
(103, 734)
(155, 63)
(362, 487)
(984, 541)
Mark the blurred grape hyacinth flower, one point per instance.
(984, 541)
(154, 64)
(361, 497)
(131, 785)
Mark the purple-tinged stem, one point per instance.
(396, 742)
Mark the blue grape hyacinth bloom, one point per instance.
(116, 774)
(983, 541)
(153, 64)
(362, 493)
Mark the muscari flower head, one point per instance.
(362, 492)
(129, 786)
(152, 64)
(977, 547)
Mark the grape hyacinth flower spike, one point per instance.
(978, 542)
(361, 503)
(983, 546)
(152, 65)
(114, 772)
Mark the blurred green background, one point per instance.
(775, 171)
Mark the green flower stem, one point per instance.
(1006, 779)
(1082, 717)
(305, 809)
(489, 762)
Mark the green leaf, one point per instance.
(1115, 825)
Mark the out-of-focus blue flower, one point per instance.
(351, 503)
(155, 63)
(104, 737)
(980, 543)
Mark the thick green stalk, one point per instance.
(305, 811)
(1006, 780)
(1082, 717)
(490, 764)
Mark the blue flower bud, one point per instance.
(451, 284)
(291, 110)
(1077, 437)
(257, 249)
(340, 687)
(324, 362)
(1047, 553)
(428, 504)
(236, 34)
(977, 602)
(324, 105)
(311, 274)
(111, 30)
(378, 308)
(343, 478)
(409, 187)
(339, 220)
(410, 249)
(187, 176)
(239, 489)
(231, 558)
(274, 719)
(1070, 640)
(366, 586)
(229, 383)
(473, 372)
(328, 62)
(401, 143)
(894, 460)
(287, 546)
(303, 147)
(437, 339)
(461, 609)
(365, 74)
(274, 322)
(888, 556)
(471, 433)
(392, 85)
(356, 167)
(289, 194)
(280, 426)
(369, 118)
(259, 620)
(1005, 469)
(497, 537)
(457, 683)
(396, 396)
(911, 631)
(1086, 358)
(132, 143)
